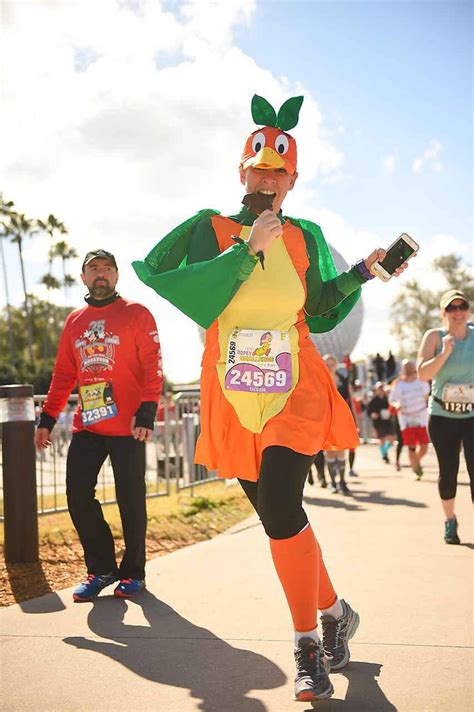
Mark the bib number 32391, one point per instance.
(97, 403)
(258, 361)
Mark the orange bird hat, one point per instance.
(271, 146)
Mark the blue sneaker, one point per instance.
(92, 586)
(129, 587)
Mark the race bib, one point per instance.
(97, 402)
(458, 397)
(258, 361)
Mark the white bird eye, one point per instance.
(282, 144)
(258, 142)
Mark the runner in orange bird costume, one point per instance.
(264, 415)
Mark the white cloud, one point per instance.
(429, 158)
(388, 163)
(124, 118)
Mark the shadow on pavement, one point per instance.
(379, 497)
(338, 501)
(173, 651)
(356, 498)
(363, 693)
(21, 577)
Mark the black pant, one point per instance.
(86, 456)
(277, 497)
(447, 435)
(319, 463)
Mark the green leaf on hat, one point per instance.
(289, 113)
(263, 112)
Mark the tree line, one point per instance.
(29, 334)
(416, 308)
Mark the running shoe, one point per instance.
(344, 488)
(129, 587)
(312, 667)
(451, 531)
(353, 473)
(336, 635)
(418, 473)
(385, 459)
(398, 466)
(92, 586)
(333, 489)
(323, 483)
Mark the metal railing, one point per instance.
(169, 455)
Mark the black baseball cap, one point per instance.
(99, 253)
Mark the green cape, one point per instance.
(202, 290)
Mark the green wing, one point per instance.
(201, 289)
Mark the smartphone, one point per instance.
(399, 252)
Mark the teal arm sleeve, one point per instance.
(204, 282)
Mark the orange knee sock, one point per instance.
(304, 578)
(326, 593)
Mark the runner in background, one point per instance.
(319, 465)
(379, 411)
(359, 401)
(336, 459)
(398, 438)
(446, 357)
(410, 396)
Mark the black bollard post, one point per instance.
(17, 415)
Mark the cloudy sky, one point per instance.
(124, 117)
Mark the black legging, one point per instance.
(319, 462)
(399, 436)
(447, 434)
(277, 497)
(352, 457)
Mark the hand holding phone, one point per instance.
(399, 252)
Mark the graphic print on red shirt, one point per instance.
(116, 347)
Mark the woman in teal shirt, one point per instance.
(446, 358)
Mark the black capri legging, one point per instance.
(277, 497)
(447, 435)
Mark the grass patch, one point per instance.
(174, 521)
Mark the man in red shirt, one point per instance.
(111, 350)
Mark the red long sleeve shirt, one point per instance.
(118, 344)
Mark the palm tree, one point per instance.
(6, 209)
(52, 225)
(17, 228)
(51, 283)
(68, 281)
(62, 250)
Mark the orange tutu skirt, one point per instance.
(315, 418)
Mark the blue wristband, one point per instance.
(363, 271)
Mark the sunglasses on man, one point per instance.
(457, 307)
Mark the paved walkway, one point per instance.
(213, 633)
